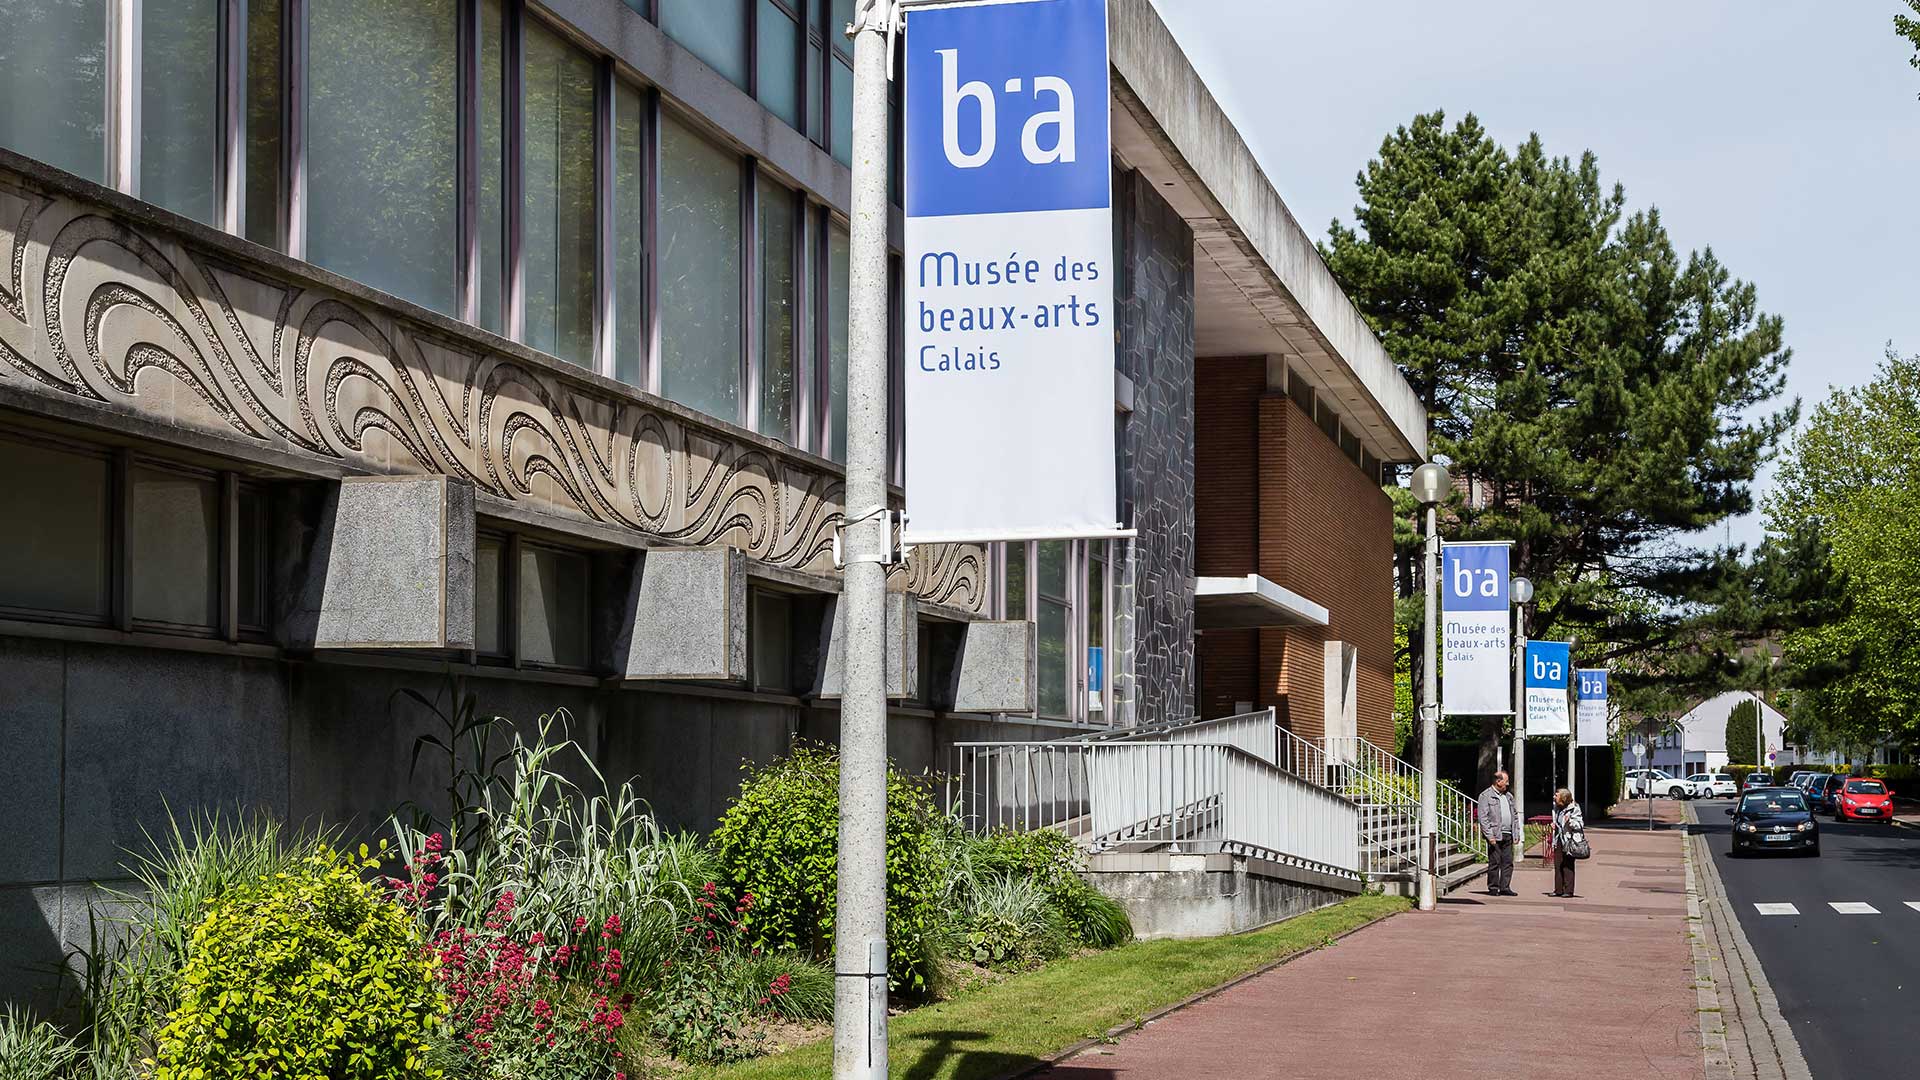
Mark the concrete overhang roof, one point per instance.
(1244, 603)
(1260, 286)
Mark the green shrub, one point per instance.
(1050, 858)
(1895, 774)
(789, 985)
(778, 843)
(307, 973)
(1014, 925)
(35, 1050)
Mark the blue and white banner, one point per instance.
(1009, 272)
(1590, 706)
(1549, 665)
(1475, 675)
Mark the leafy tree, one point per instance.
(1909, 28)
(1743, 725)
(1852, 477)
(1599, 397)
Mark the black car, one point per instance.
(1774, 819)
(1823, 790)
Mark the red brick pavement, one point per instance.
(1598, 986)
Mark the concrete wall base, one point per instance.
(1192, 896)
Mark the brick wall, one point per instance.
(1276, 497)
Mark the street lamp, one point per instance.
(1521, 592)
(1430, 485)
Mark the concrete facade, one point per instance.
(1193, 896)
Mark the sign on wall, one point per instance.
(1549, 667)
(1475, 675)
(1590, 706)
(1009, 272)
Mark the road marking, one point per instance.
(1914, 904)
(1854, 907)
(1776, 909)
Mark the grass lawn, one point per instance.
(990, 1030)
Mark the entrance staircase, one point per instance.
(1237, 784)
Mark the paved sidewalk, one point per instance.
(1601, 985)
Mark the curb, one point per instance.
(1022, 1071)
(1743, 1034)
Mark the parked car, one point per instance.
(1799, 778)
(1863, 798)
(1641, 782)
(1773, 819)
(1822, 790)
(1757, 780)
(1713, 785)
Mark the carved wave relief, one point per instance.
(135, 319)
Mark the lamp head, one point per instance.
(1430, 483)
(1522, 590)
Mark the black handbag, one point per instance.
(1576, 845)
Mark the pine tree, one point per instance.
(1742, 728)
(1597, 396)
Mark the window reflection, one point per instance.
(839, 286)
(776, 309)
(179, 144)
(559, 222)
(699, 272)
(53, 57)
(381, 134)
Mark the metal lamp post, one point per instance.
(1522, 594)
(1430, 486)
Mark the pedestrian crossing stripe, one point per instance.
(1776, 909)
(1914, 904)
(1854, 907)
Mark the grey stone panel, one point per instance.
(684, 753)
(32, 690)
(687, 616)
(903, 648)
(1153, 605)
(992, 674)
(32, 953)
(151, 733)
(399, 569)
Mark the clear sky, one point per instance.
(1785, 135)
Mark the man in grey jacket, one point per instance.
(1497, 824)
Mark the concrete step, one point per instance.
(1459, 878)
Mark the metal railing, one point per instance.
(1369, 775)
(1258, 733)
(1193, 796)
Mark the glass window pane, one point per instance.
(842, 111)
(1052, 568)
(699, 272)
(1016, 579)
(1051, 676)
(560, 230)
(255, 565)
(381, 145)
(489, 558)
(776, 308)
(262, 211)
(713, 30)
(553, 607)
(173, 530)
(629, 232)
(53, 82)
(816, 93)
(53, 551)
(778, 54)
(1097, 657)
(772, 641)
(837, 22)
(839, 286)
(491, 225)
(179, 62)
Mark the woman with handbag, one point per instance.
(1569, 841)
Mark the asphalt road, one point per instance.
(1848, 983)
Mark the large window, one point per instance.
(699, 272)
(382, 127)
(53, 82)
(561, 235)
(115, 540)
(777, 52)
(261, 216)
(778, 308)
(713, 30)
(839, 287)
(1064, 587)
(629, 233)
(179, 126)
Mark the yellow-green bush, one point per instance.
(311, 973)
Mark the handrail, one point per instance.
(1365, 771)
(1195, 796)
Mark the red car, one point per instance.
(1863, 799)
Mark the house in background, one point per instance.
(1700, 742)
